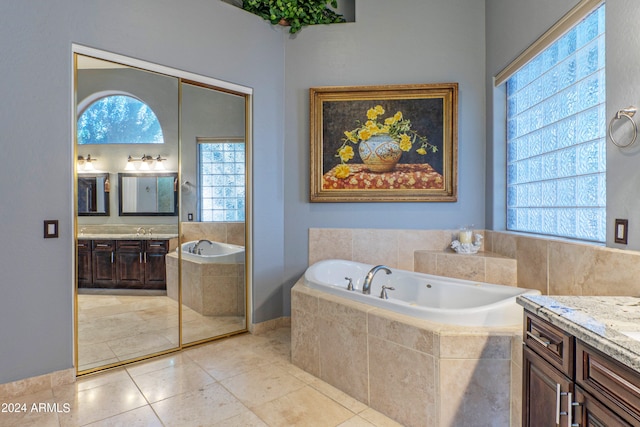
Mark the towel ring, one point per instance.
(628, 114)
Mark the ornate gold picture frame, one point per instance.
(392, 143)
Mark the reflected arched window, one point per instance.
(119, 119)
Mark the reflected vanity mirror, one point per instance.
(93, 194)
(144, 194)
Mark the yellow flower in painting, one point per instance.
(395, 127)
(405, 142)
(346, 153)
(342, 171)
(364, 134)
(350, 136)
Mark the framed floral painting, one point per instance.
(393, 143)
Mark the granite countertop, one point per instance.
(132, 236)
(609, 324)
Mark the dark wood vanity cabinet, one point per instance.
(124, 264)
(568, 383)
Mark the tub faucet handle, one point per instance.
(383, 294)
(350, 284)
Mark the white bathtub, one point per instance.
(213, 253)
(436, 298)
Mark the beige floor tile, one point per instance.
(356, 422)
(339, 396)
(303, 407)
(104, 401)
(171, 381)
(261, 385)
(206, 406)
(140, 417)
(245, 419)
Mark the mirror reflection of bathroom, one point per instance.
(127, 123)
(212, 214)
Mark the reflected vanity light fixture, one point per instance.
(86, 165)
(145, 163)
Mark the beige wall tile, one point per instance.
(532, 263)
(468, 267)
(396, 328)
(343, 311)
(330, 243)
(397, 388)
(372, 246)
(236, 233)
(466, 346)
(502, 271)
(304, 299)
(516, 395)
(305, 352)
(576, 269)
(504, 244)
(410, 241)
(468, 399)
(425, 262)
(343, 354)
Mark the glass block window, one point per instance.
(119, 119)
(556, 134)
(221, 180)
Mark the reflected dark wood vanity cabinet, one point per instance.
(130, 268)
(103, 263)
(122, 264)
(84, 263)
(598, 392)
(155, 272)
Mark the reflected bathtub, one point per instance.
(214, 253)
(424, 296)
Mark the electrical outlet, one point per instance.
(190, 216)
(621, 231)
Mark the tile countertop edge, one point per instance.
(601, 329)
(158, 236)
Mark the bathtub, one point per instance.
(214, 253)
(424, 296)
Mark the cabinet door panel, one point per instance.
(539, 396)
(592, 413)
(130, 269)
(85, 274)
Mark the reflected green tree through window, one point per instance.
(119, 119)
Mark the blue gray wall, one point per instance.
(206, 37)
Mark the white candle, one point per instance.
(465, 236)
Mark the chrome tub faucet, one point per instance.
(366, 287)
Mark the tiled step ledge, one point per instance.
(482, 267)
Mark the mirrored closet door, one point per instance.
(213, 157)
(157, 266)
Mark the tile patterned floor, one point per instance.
(242, 381)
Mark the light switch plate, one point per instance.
(621, 231)
(50, 228)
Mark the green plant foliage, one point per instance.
(297, 13)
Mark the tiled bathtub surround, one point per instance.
(482, 267)
(552, 266)
(417, 372)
